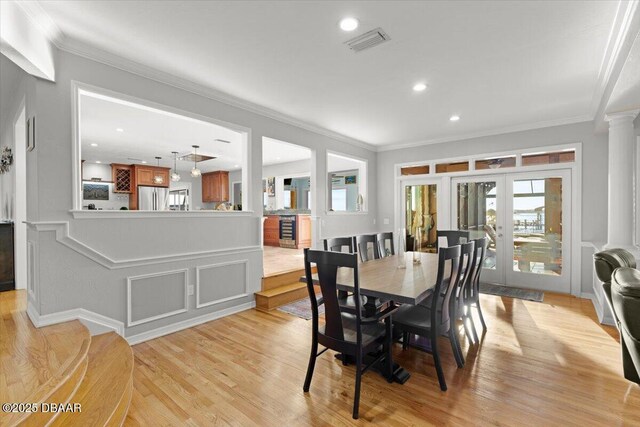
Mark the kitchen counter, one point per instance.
(281, 212)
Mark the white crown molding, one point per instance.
(61, 229)
(492, 132)
(194, 321)
(96, 323)
(43, 21)
(625, 28)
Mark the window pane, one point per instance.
(421, 212)
(452, 167)
(496, 163)
(537, 226)
(548, 158)
(415, 170)
(477, 213)
(339, 199)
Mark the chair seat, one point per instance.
(370, 332)
(413, 317)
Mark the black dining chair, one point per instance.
(338, 244)
(436, 319)
(472, 296)
(347, 333)
(383, 249)
(362, 245)
(467, 268)
(454, 237)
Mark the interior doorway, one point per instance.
(287, 190)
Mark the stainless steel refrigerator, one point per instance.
(153, 198)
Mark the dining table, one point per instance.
(407, 278)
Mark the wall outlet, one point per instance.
(386, 221)
(190, 290)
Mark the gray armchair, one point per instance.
(625, 294)
(606, 262)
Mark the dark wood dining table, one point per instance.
(381, 281)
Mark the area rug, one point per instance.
(506, 291)
(301, 308)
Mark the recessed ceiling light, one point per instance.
(454, 118)
(144, 162)
(419, 87)
(98, 161)
(348, 24)
(94, 145)
(236, 166)
(277, 158)
(119, 130)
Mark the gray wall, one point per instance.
(594, 170)
(67, 274)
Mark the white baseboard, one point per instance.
(175, 327)
(601, 306)
(96, 323)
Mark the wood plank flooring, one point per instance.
(277, 260)
(540, 364)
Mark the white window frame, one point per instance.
(362, 183)
(78, 88)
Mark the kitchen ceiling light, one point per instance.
(195, 172)
(98, 161)
(175, 176)
(158, 178)
(94, 145)
(348, 24)
(119, 130)
(419, 87)
(144, 162)
(236, 166)
(454, 118)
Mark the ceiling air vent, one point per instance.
(368, 40)
(195, 158)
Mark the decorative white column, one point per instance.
(622, 176)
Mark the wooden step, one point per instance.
(38, 365)
(282, 295)
(281, 279)
(105, 391)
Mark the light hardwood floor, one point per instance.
(278, 260)
(539, 364)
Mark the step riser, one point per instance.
(271, 303)
(278, 280)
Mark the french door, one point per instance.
(421, 204)
(527, 218)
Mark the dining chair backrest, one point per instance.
(447, 279)
(480, 251)
(362, 244)
(383, 250)
(454, 237)
(467, 253)
(327, 264)
(337, 244)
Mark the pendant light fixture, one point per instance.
(158, 178)
(195, 172)
(175, 176)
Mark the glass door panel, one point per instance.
(421, 216)
(478, 206)
(539, 207)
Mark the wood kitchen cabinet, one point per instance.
(122, 177)
(215, 186)
(272, 230)
(144, 175)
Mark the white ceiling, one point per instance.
(497, 64)
(274, 152)
(148, 133)
(626, 93)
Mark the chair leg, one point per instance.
(436, 361)
(484, 325)
(466, 329)
(356, 397)
(473, 326)
(312, 364)
(405, 340)
(455, 346)
(389, 345)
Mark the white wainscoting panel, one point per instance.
(217, 283)
(155, 296)
(32, 270)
